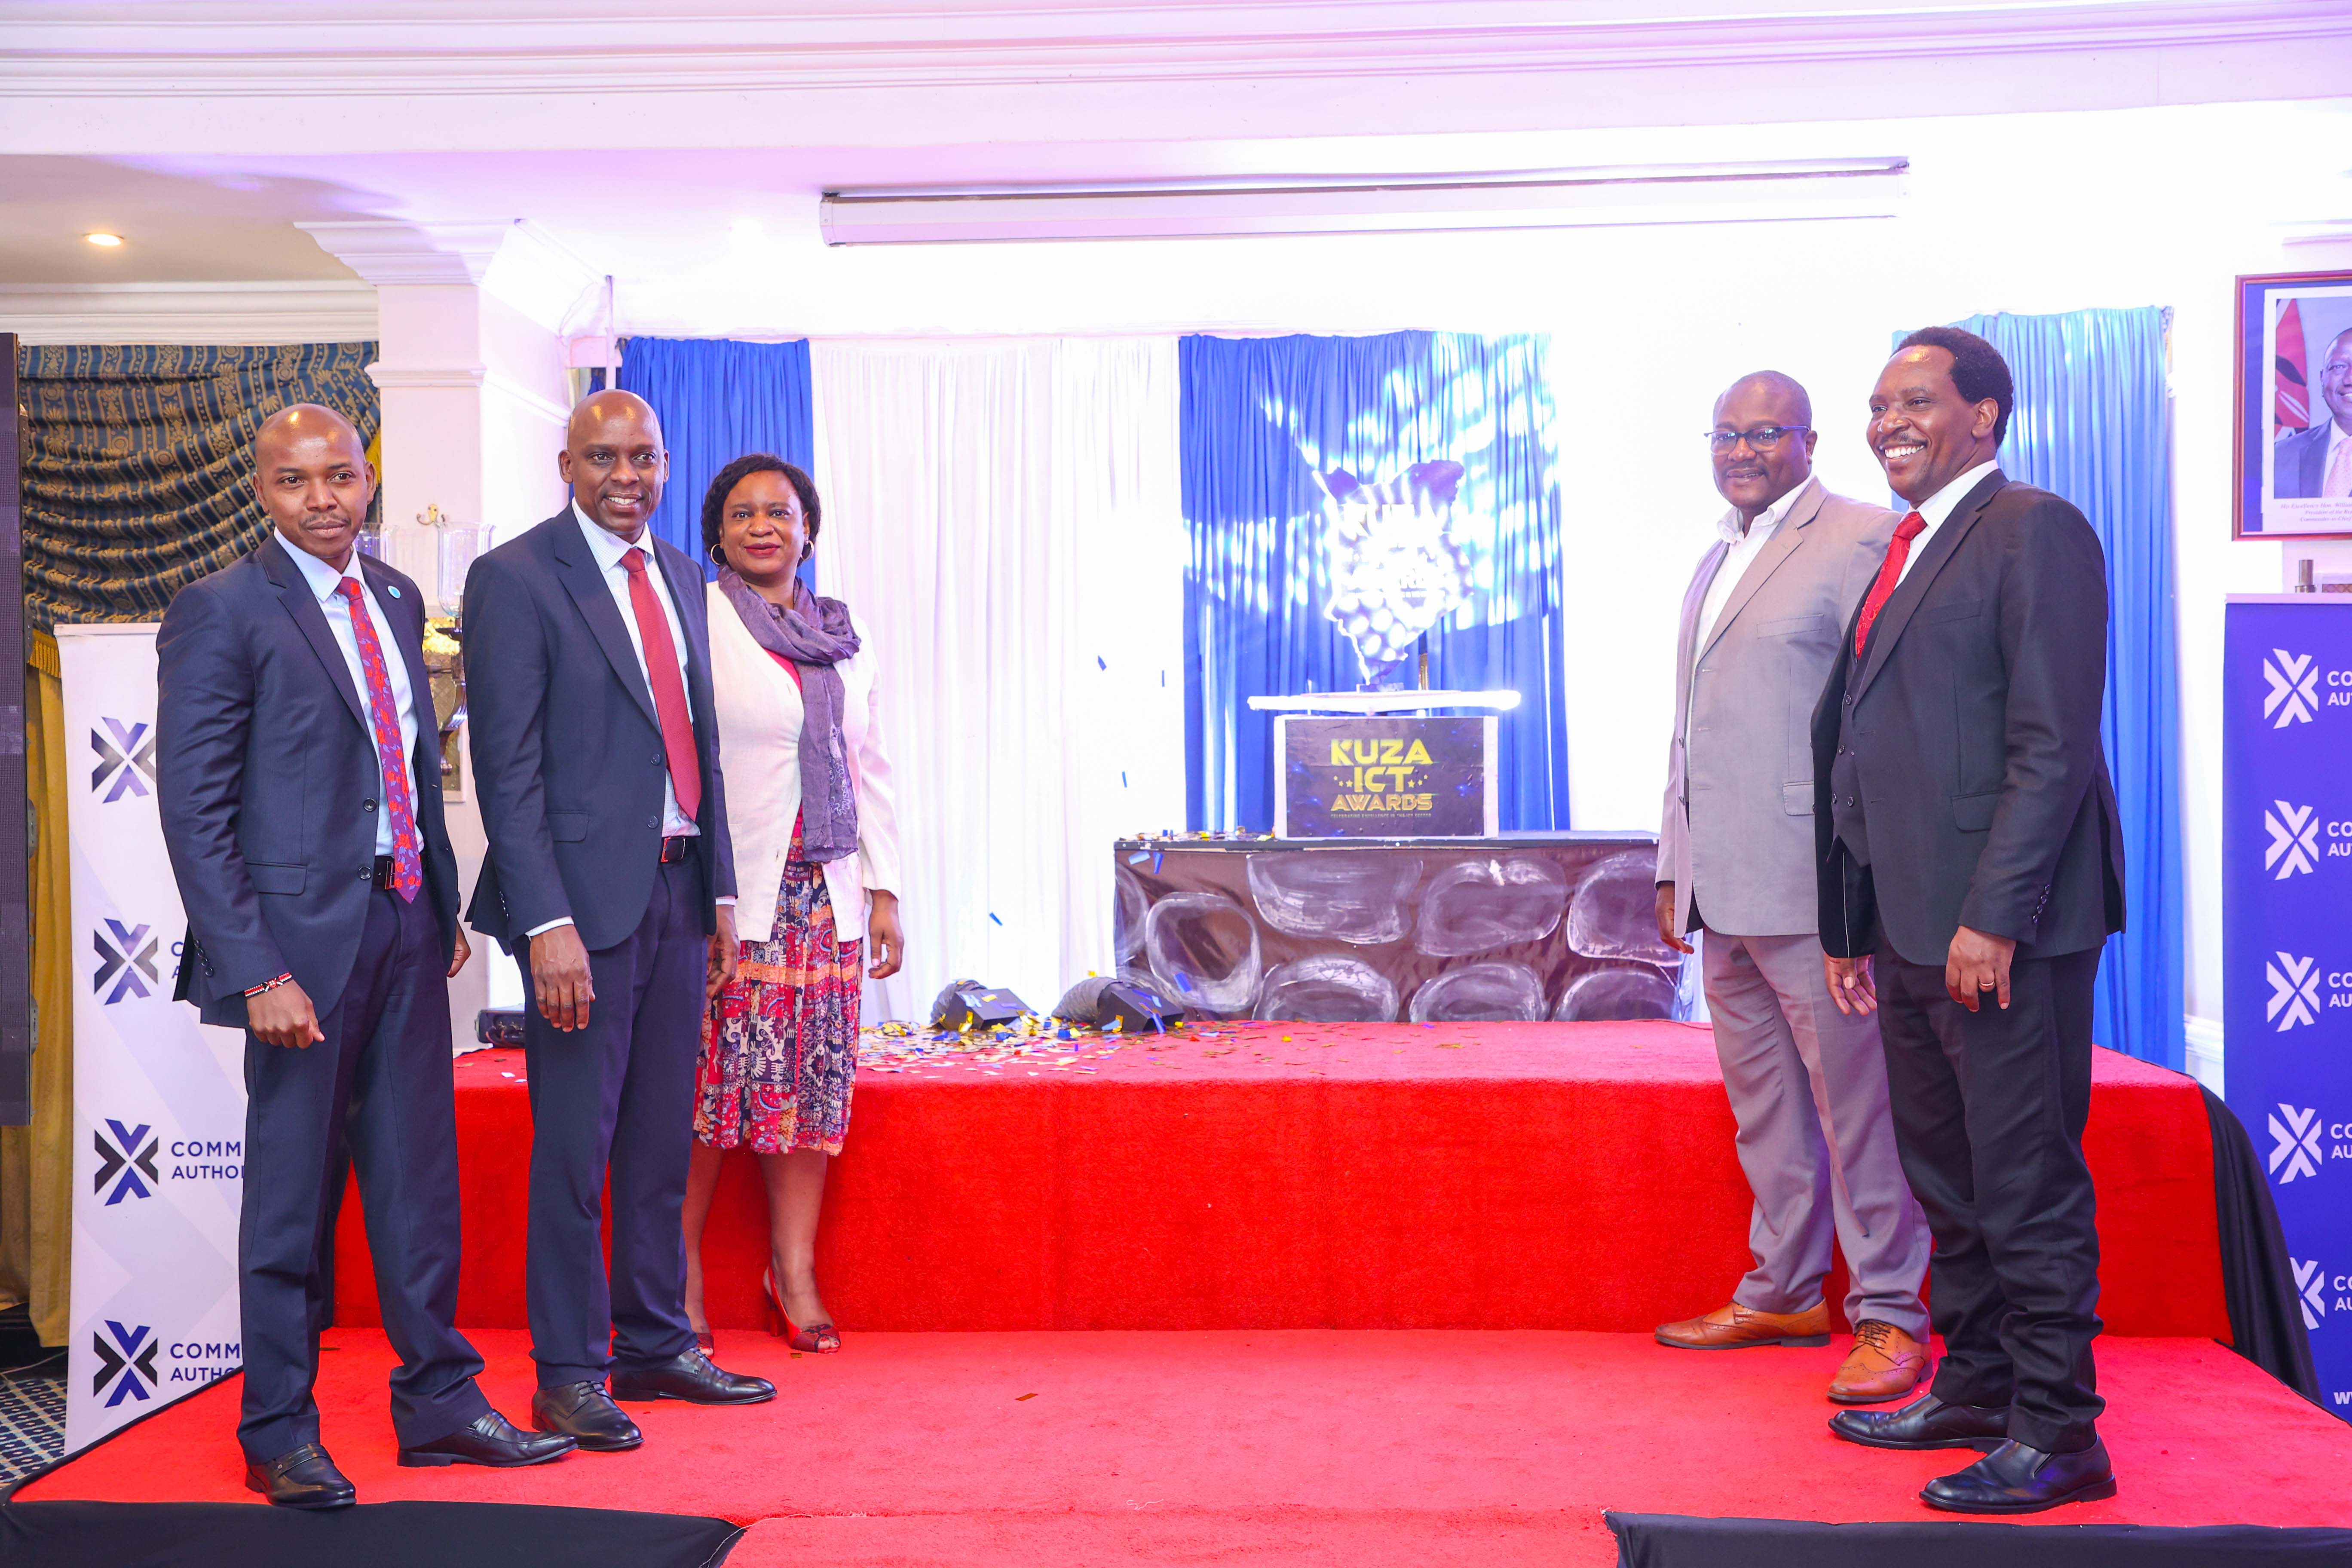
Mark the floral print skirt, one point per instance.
(779, 1043)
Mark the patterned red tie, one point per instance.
(1889, 572)
(669, 692)
(407, 869)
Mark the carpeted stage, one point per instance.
(1225, 1204)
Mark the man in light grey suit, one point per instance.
(1760, 626)
(2315, 464)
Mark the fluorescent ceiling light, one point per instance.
(1572, 198)
(104, 241)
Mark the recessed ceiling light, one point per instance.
(106, 241)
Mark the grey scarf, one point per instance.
(828, 806)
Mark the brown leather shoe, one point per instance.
(1736, 1328)
(1886, 1363)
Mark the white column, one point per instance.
(471, 368)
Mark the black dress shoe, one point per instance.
(583, 1411)
(1926, 1423)
(492, 1440)
(301, 1478)
(689, 1376)
(2014, 1479)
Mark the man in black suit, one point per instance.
(299, 771)
(1970, 855)
(596, 751)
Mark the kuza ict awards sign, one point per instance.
(1385, 778)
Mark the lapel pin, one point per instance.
(393, 589)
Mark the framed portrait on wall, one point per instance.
(2295, 406)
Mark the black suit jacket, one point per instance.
(2299, 465)
(268, 785)
(1976, 729)
(567, 751)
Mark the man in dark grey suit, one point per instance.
(1760, 627)
(2317, 463)
(298, 773)
(596, 751)
(1971, 865)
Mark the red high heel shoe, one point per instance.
(817, 1339)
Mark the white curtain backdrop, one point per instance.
(1003, 516)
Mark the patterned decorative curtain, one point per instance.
(138, 477)
(718, 399)
(1262, 417)
(2093, 424)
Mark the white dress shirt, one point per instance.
(324, 581)
(2337, 439)
(610, 549)
(1746, 546)
(1935, 509)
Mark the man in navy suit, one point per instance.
(298, 768)
(595, 752)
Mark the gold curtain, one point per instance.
(37, 1161)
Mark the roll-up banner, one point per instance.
(159, 1099)
(2286, 844)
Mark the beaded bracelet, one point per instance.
(270, 984)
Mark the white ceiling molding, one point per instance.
(125, 47)
(330, 312)
(388, 252)
(460, 377)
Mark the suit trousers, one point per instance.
(380, 1078)
(1989, 1111)
(1808, 1088)
(616, 1098)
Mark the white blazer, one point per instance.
(759, 716)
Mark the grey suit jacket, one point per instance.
(1738, 821)
(2299, 463)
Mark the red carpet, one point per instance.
(1300, 1176)
(1316, 1448)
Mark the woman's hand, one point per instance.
(883, 939)
(722, 953)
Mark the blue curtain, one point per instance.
(718, 399)
(1260, 419)
(2092, 423)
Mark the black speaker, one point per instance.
(969, 1004)
(1135, 1005)
(499, 1026)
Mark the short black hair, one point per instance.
(1978, 370)
(723, 483)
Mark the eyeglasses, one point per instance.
(1762, 440)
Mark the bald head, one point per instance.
(312, 469)
(1770, 420)
(614, 461)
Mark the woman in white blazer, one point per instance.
(810, 806)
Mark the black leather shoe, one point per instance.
(1926, 1423)
(583, 1411)
(301, 1478)
(490, 1440)
(689, 1376)
(2014, 1479)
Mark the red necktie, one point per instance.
(669, 692)
(407, 869)
(1889, 573)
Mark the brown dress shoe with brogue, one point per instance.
(1885, 1364)
(1736, 1328)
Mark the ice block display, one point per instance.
(1329, 988)
(1479, 905)
(1480, 993)
(1204, 948)
(1527, 926)
(1355, 899)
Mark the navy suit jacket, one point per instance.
(2299, 463)
(1975, 734)
(568, 759)
(268, 785)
